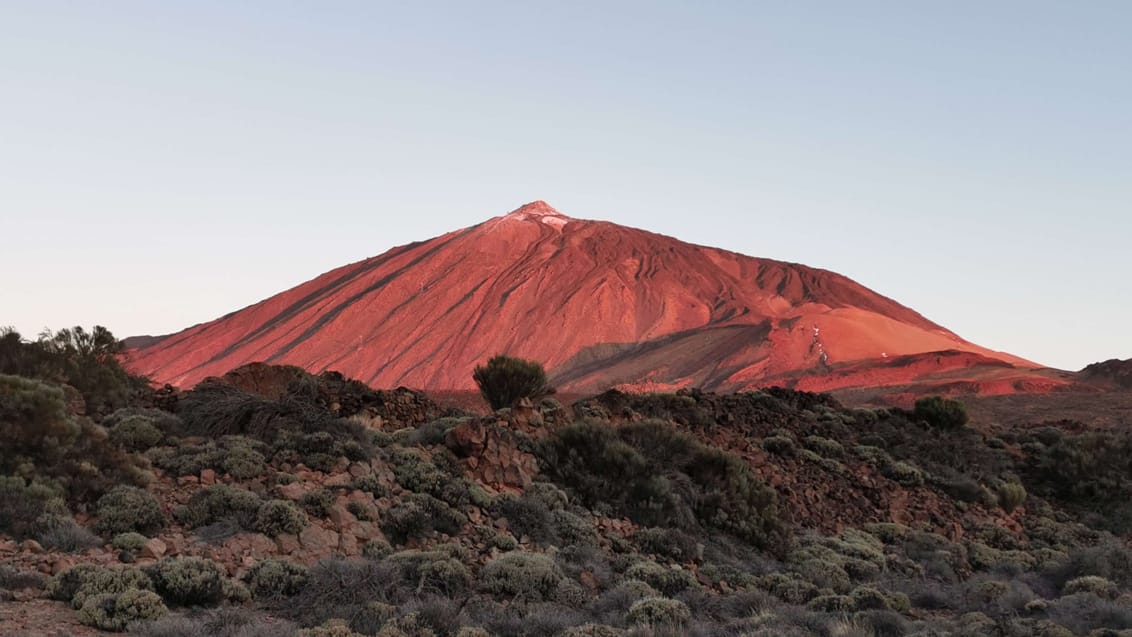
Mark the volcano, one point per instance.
(599, 305)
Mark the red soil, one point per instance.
(598, 304)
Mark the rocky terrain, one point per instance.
(599, 305)
(270, 501)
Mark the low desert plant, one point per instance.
(218, 502)
(136, 433)
(114, 612)
(940, 412)
(529, 576)
(276, 517)
(659, 611)
(128, 508)
(274, 579)
(189, 581)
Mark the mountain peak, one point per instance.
(606, 306)
(540, 212)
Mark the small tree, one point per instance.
(504, 380)
(940, 412)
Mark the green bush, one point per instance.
(189, 581)
(905, 473)
(659, 611)
(530, 576)
(78, 583)
(832, 604)
(114, 612)
(657, 476)
(432, 572)
(23, 504)
(136, 433)
(417, 515)
(780, 445)
(317, 502)
(824, 447)
(126, 509)
(360, 511)
(34, 426)
(371, 485)
(787, 588)
(673, 544)
(273, 579)
(1096, 585)
(61, 532)
(218, 502)
(276, 517)
(129, 541)
(243, 462)
(1011, 495)
(504, 380)
(376, 549)
(940, 412)
(668, 581)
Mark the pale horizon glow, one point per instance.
(164, 164)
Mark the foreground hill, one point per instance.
(273, 503)
(599, 305)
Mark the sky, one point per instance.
(163, 164)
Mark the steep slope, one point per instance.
(597, 303)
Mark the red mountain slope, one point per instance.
(598, 304)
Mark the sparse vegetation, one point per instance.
(647, 519)
(503, 380)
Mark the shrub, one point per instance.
(189, 581)
(530, 576)
(318, 502)
(832, 604)
(779, 445)
(360, 511)
(659, 611)
(136, 433)
(657, 476)
(940, 412)
(905, 473)
(432, 572)
(417, 473)
(276, 517)
(528, 516)
(376, 549)
(668, 581)
(1011, 495)
(243, 462)
(869, 598)
(504, 380)
(1098, 586)
(371, 485)
(419, 514)
(129, 541)
(673, 544)
(824, 447)
(11, 579)
(128, 508)
(63, 533)
(593, 630)
(273, 579)
(115, 612)
(342, 588)
(100, 580)
(23, 505)
(34, 425)
(219, 502)
(789, 589)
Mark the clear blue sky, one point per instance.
(162, 164)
